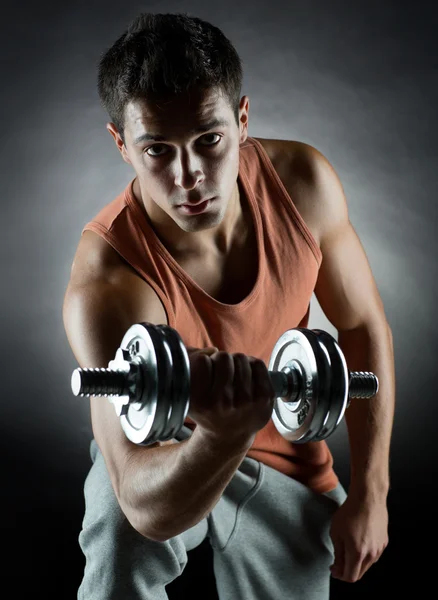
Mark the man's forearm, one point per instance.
(180, 484)
(369, 421)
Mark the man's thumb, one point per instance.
(208, 350)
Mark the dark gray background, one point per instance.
(358, 80)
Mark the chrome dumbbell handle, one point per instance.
(98, 382)
(287, 384)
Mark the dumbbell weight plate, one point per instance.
(325, 366)
(180, 388)
(339, 384)
(322, 397)
(144, 420)
(165, 377)
(300, 421)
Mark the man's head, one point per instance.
(170, 75)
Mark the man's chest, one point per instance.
(227, 278)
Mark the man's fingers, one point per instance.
(353, 566)
(366, 564)
(337, 568)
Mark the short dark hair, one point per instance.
(160, 56)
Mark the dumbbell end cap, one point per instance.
(76, 382)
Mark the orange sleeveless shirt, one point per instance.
(288, 258)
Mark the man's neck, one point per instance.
(218, 240)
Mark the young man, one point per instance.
(224, 237)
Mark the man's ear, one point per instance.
(119, 142)
(243, 118)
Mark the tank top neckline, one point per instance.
(152, 237)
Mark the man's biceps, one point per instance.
(94, 329)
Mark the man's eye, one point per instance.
(209, 135)
(160, 146)
(154, 148)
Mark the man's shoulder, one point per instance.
(297, 164)
(97, 266)
(94, 257)
(294, 156)
(96, 260)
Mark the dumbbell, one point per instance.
(148, 382)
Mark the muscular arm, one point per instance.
(163, 489)
(348, 296)
(179, 485)
(369, 422)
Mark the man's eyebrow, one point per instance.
(147, 137)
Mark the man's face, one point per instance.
(183, 152)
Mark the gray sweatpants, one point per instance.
(269, 534)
